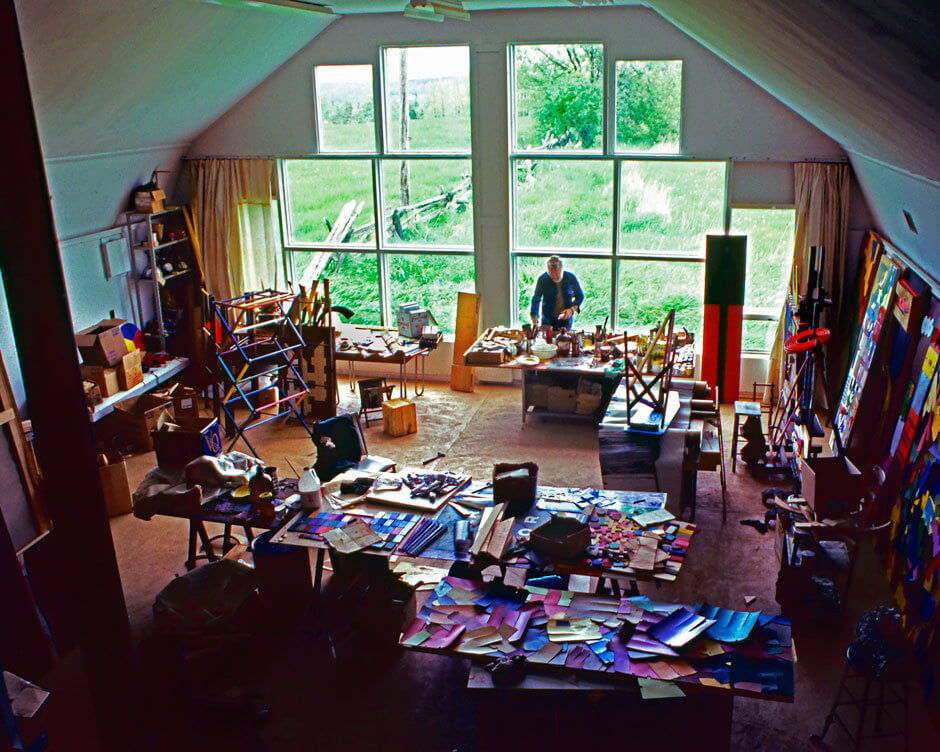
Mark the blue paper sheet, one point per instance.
(730, 626)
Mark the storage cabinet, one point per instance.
(167, 272)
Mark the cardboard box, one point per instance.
(561, 400)
(138, 417)
(832, 486)
(185, 402)
(412, 319)
(102, 344)
(114, 483)
(92, 393)
(106, 379)
(179, 442)
(149, 202)
(130, 371)
(399, 417)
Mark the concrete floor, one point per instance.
(419, 702)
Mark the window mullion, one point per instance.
(614, 287)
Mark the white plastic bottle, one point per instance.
(308, 486)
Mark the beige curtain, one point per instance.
(822, 215)
(238, 243)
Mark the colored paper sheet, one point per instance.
(418, 638)
(654, 689)
(545, 653)
(572, 630)
(680, 627)
(576, 657)
(730, 626)
(645, 519)
(645, 644)
(444, 638)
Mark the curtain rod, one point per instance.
(532, 155)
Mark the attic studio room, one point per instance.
(464, 375)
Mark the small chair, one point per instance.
(751, 412)
(372, 393)
(341, 445)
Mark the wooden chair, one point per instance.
(372, 393)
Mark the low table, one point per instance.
(359, 340)
(575, 638)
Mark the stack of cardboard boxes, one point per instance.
(106, 362)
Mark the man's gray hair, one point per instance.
(554, 261)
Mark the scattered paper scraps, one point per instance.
(355, 536)
(657, 516)
(545, 653)
(655, 689)
(582, 583)
(576, 656)
(730, 626)
(572, 630)
(749, 599)
(416, 575)
(515, 577)
(498, 620)
(680, 627)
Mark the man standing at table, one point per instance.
(559, 294)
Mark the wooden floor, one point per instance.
(419, 702)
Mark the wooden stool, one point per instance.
(399, 417)
(891, 689)
(750, 411)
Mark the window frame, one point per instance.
(608, 154)
(381, 247)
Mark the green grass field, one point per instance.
(560, 204)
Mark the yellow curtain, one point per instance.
(822, 216)
(220, 190)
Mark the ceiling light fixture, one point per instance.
(436, 10)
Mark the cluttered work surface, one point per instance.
(625, 533)
(699, 647)
(366, 344)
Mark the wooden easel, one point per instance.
(653, 392)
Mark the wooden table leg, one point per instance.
(204, 539)
(192, 552)
(318, 571)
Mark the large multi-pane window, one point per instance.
(598, 176)
(626, 213)
(384, 210)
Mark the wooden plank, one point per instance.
(461, 378)
(14, 430)
(490, 516)
(499, 539)
(467, 326)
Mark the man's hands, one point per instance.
(534, 319)
(566, 314)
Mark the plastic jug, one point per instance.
(308, 485)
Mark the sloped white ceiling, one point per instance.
(112, 75)
(863, 72)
